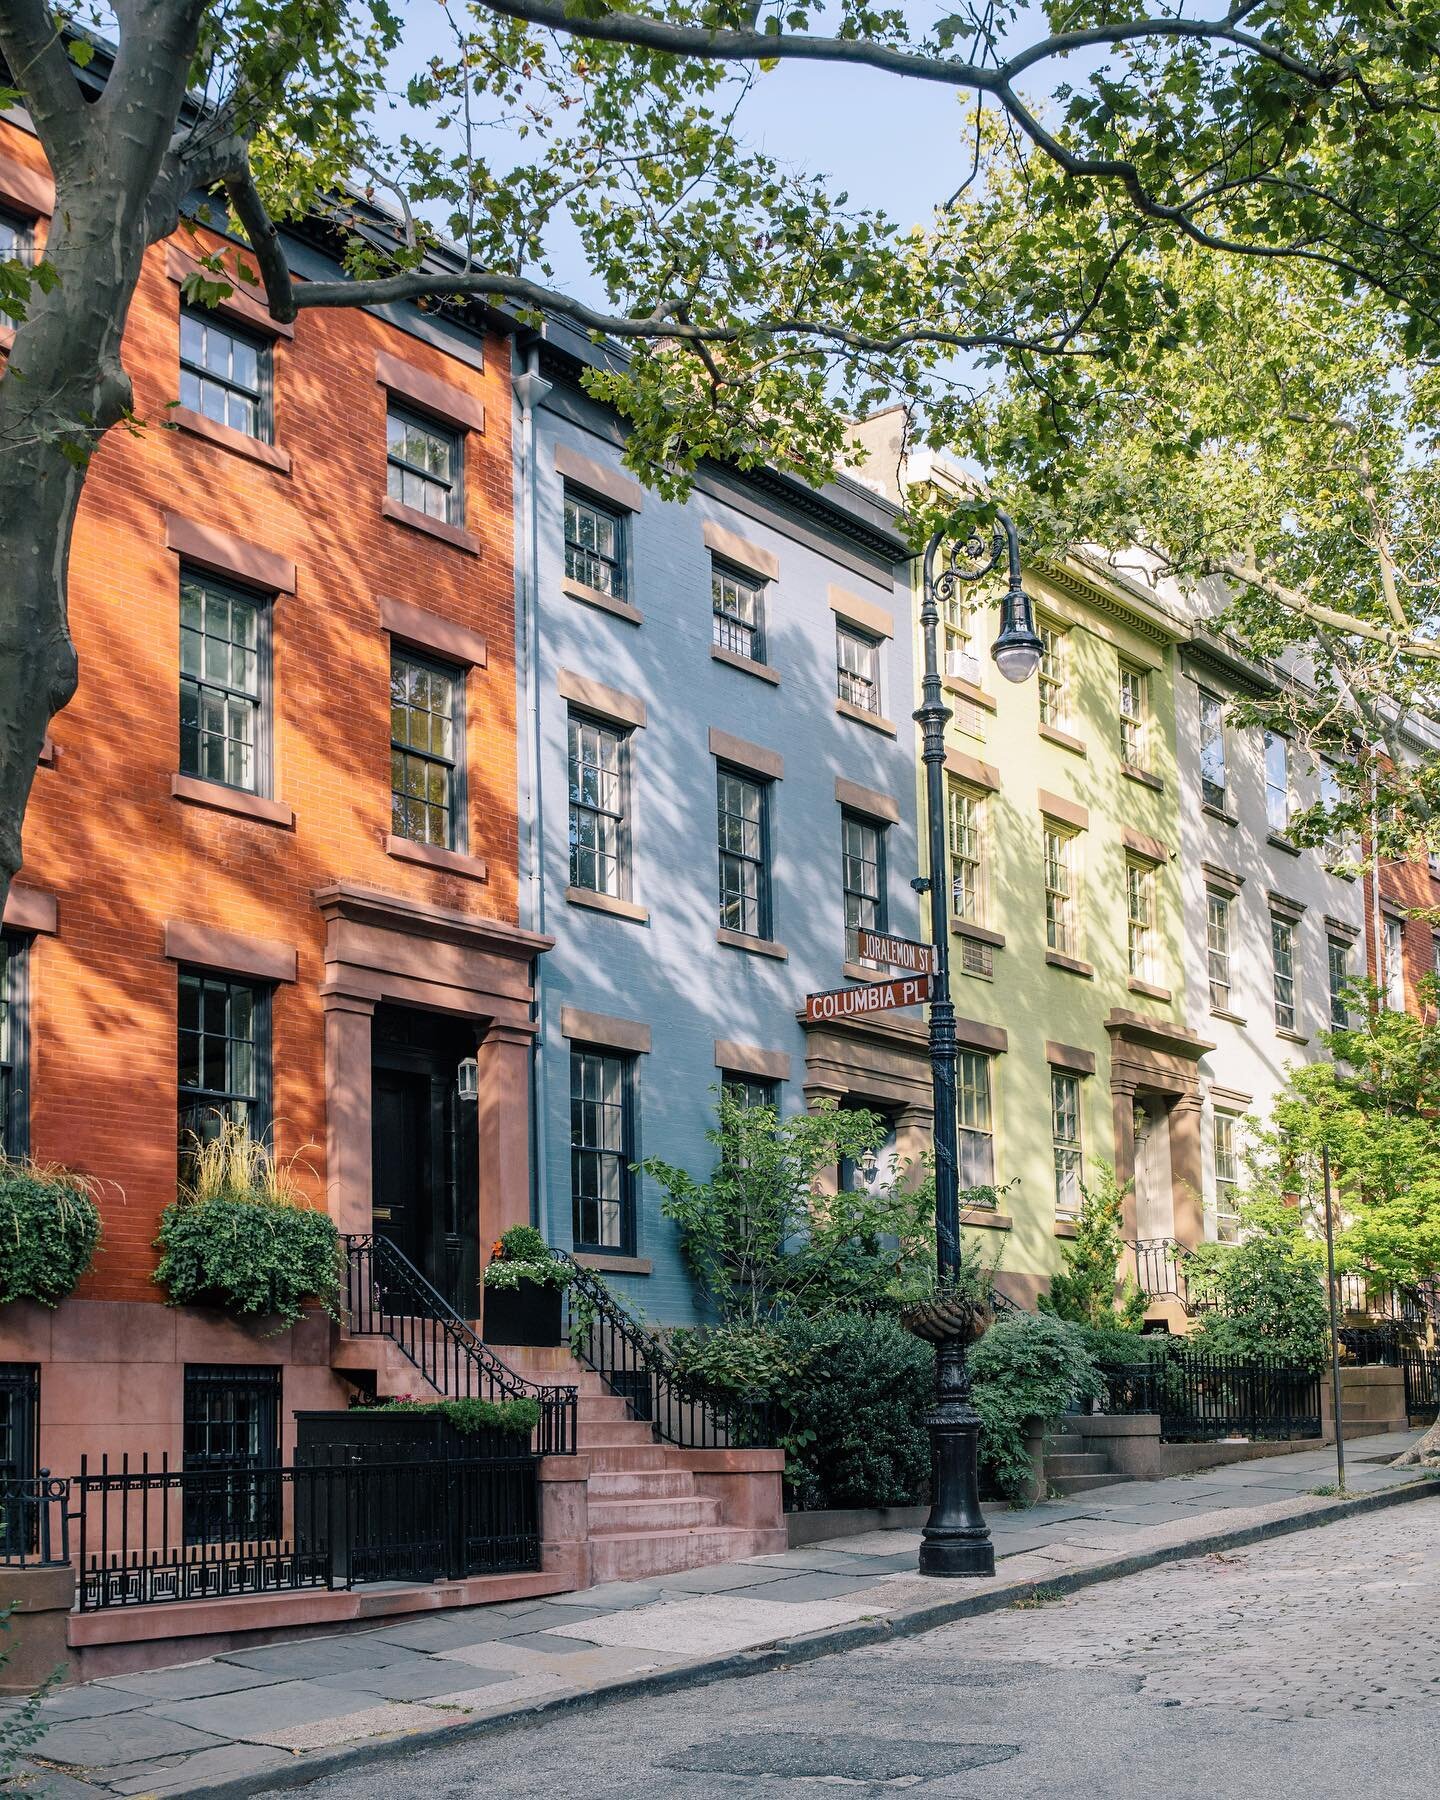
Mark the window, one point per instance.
(14, 1046)
(1054, 676)
(1212, 751)
(594, 545)
(1140, 913)
(426, 774)
(1339, 963)
(19, 1451)
(17, 244)
(862, 856)
(1065, 1136)
(957, 624)
(1217, 948)
(1132, 717)
(602, 1148)
(743, 808)
(738, 611)
(975, 1119)
(1277, 782)
(1060, 934)
(224, 374)
(224, 685)
(1432, 863)
(599, 834)
(1435, 952)
(967, 854)
(857, 660)
(224, 1042)
(1282, 947)
(1394, 963)
(232, 1453)
(751, 1090)
(1227, 1179)
(424, 466)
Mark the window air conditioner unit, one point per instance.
(961, 666)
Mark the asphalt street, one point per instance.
(1306, 1666)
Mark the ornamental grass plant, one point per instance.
(49, 1230)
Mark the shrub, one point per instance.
(49, 1229)
(1084, 1290)
(521, 1254)
(1270, 1290)
(1025, 1372)
(1111, 1346)
(241, 1236)
(471, 1417)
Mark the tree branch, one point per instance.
(1247, 571)
(265, 242)
(36, 55)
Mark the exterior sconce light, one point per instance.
(467, 1079)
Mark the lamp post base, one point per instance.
(955, 1540)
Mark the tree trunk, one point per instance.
(1425, 1454)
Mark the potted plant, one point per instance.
(524, 1288)
(242, 1235)
(49, 1228)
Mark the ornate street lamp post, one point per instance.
(956, 1540)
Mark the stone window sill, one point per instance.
(747, 665)
(220, 798)
(737, 940)
(240, 443)
(855, 971)
(967, 690)
(1148, 989)
(1143, 776)
(607, 1264)
(1218, 1012)
(1070, 963)
(431, 856)
(1052, 734)
(597, 597)
(986, 1219)
(1291, 1037)
(1066, 1228)
(980, 933)
(1277, 842)
(455, 535)
(1219, 812)
(858, 713)
(608, 903)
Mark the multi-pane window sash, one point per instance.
(224, 374)
(425, 730)
(957, 623)
(1435, 952)
(1217, 948)
(1339, 959)
(1140, 917)
(751, 1091)
(13, 1135)
(231, 1433)
(19, 1445)
(222, 681)
(223, 1056)
(1394, 965)
(862, 856)
(1212, 751)
(1065, 1137)
(857, 669)
(1277, 781)
(594, 546)
(1282, 945)
(737, 607)
(975, 1120)
(601, 1150)
(967, 854)
(17, 244)
(744, 854)
(1059, 891)
(1054, 677)
(597, 807)
(1227, 1180)
(423, 466)
(1132, 718)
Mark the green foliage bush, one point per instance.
(1084, 1290)
(1025, 1372)
(471, 1417)
(49, 1230)
(1270, 1288)
(1112, 1346)
(521, 1254)
(255, 1257)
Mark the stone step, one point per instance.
(632, 1558)
(617, 1518)
(1064, 1485)
(1065, 1443)
(640, 1484)
(1079, 1462)
(627, 1459)
(613, 1434)
(557, 1360)
(597, 1409)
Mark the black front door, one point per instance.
(425, 1178)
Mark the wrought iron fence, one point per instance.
(1422, 1383)
(1160, 1272)
(637, 1365)
(1201, 1398)
(389, 1297)
(145, 1536)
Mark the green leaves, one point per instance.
(49, 1232)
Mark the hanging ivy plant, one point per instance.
(49, 1229)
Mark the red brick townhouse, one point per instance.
(270, 861)
(1403, 915)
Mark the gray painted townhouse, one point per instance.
(720, 778)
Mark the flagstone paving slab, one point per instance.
(120, 1738)
(191, 1681)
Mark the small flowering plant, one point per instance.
(520, 1255)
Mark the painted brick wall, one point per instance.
(104, 833)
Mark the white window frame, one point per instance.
(1212, 733)
(975, 1118)
(1284, 974)
(1134, 711)
(1062, 911)
(1067, 1139)
(1218, 912)
(1393, 971)
(1054, 676)
(1225, 1167)
(975, 856)
(1279, 797)
(1141, 921)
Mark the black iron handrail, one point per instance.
(1202, 1397)
(389, 1297)
(636, 1364)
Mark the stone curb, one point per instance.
(831, 1641)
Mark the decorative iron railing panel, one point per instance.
(1422, 1383)
(636, 1364)
(389, 1297)
(1201, 1398)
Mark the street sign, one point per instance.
(872, 996)
(897, 952)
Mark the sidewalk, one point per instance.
(253, 1720)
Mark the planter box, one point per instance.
(529, 1314)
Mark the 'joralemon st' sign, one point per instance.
(873, 996)
(895, 952)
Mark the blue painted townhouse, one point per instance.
(721, 788)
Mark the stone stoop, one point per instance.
(1070, 1468)
(652, 1508)
(1373, 1400)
